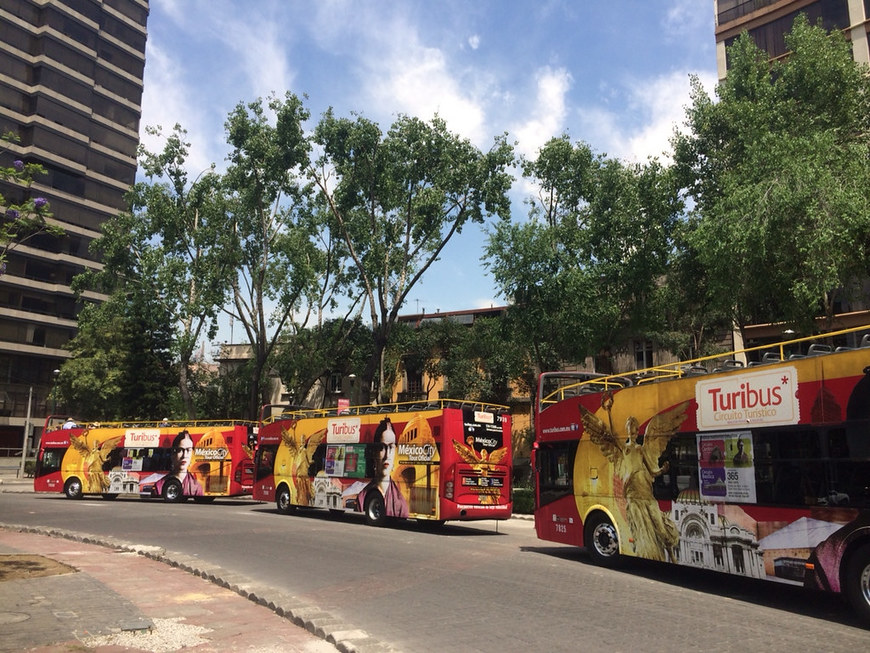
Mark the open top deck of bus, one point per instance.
(285, 412)
(556, 386)
(55, 422)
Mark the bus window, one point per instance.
(113, 460)
(681, 455)
(793, 467)
(50, 462)
(265, 461)
(556, 470)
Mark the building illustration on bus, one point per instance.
(757, 469)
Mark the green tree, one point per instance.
(279, 266)
(690, 322)
(478, 362)
(172, 240)
(483, 362)
(121, 366)
(310, 356)
(24, 216)
(90, 382)
(396, 200)
(778, 169)
(584, 270)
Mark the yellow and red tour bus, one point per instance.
(172, 460)
(760, 469)
(445, 460)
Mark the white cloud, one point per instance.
(166, 100)
(260, 50)
(688, 18)
(474, 41)
(405, 76)
(659, 108)
(547, 117)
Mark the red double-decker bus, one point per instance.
(175, 461)
(447, 460)
(756, 464)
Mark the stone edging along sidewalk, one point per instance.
(344, 637)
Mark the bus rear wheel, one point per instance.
(857, 583)
(73, 488)
(172, 491)
(376, 511)
(602, 540)
(282, 500)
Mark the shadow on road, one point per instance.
(771, 594)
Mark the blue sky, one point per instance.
(611, 73)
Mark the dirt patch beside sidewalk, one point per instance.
(18, 566)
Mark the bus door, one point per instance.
(264, 469)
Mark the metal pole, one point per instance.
(26, 434)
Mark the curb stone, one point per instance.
(344, 637)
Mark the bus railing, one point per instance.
(54, 424)
(297, 412)
(587, 382)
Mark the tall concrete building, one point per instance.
(71, 89)
(768, 21)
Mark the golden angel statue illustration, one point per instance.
(93, 458)
(473, 457)
(481, 461)
(301, 451)
(635, 466)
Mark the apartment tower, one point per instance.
(768, 21)
(71, 89)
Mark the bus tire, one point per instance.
(857, 582)
(601, 540)
(109, 496)
(172, 491)
(376, 511)
(73, 488)
(282, 500)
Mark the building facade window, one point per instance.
(643, 354)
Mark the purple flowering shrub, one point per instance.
(26, 218)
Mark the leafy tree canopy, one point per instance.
(778, 169)
(583, 270)
(397, 199)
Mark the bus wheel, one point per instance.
(73, 488)
(857, 583)
(602, 540)
(110, 496)
(282, 500)
(172, 491)
(376, 511)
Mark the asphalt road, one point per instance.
(480, 586)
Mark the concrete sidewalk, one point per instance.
(115, 599)
(118, 596)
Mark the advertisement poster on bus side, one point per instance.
(726, 466)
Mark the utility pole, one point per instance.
(26, 434)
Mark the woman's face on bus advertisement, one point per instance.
(386, 453)
(182, 454)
